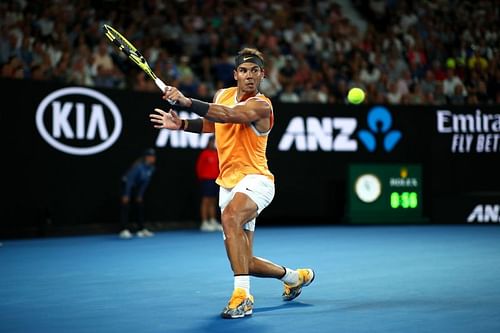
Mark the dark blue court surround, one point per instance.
(369, 279)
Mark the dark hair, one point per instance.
(250, 55)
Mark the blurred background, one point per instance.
(423, 147)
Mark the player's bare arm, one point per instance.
(252, 110)
(246, 112)
(170, 120)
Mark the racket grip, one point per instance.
(160, 84)
(163, 87)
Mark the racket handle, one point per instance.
(160, 84)
(163, 87)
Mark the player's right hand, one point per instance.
(172, 94)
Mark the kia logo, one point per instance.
(78, 121)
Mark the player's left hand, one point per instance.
(163, 119)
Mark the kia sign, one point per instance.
(78, 121)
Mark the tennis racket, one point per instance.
(133, 54)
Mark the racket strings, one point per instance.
(129, 49)
(124, 46)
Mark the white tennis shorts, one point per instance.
(258, 187)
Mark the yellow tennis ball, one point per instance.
(356, 96)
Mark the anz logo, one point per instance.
(78, 121)
(485, 214)
(339, 133)
(313, 134)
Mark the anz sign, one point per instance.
(78, 121)
(342, 134)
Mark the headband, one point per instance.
(249, 58)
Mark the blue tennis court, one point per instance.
(369, 279)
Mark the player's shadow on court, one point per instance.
(282, 306)
(219, 325)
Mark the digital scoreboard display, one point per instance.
(385, 193)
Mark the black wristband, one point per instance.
(183, 125)
(194, 125)
(199, 107)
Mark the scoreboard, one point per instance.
(385, 193)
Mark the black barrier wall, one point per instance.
(67, 147)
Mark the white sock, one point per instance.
(291, 276)
(213, 221)
(242, 281)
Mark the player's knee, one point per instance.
(229, 220)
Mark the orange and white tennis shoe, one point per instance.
(306, 276)
(239, 306)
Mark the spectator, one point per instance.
(394, 95)
(271, 86)
(458, 97)
(135, 182)
(287, 72)
(416, 96)
(477, 61)
(309, 94)
(207, 171)
(369, 73)
(289, 95)
(204, 92)
(223, 70)
(439, 98)
(428, 83)
(450, 83)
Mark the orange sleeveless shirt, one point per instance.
(241, 148)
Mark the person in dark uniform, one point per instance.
(135, 181)
(207, 171)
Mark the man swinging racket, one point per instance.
(241, 118)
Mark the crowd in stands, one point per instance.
(411, 52)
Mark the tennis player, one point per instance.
(241, 118)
